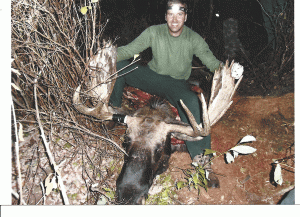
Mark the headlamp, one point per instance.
(176, 8)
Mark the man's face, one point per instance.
(175, 19)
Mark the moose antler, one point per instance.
(223, 89)
(101, 84)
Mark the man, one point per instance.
(173, 46)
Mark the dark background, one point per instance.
(269, 58)
(128, 18)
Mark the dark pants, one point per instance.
(164, 86)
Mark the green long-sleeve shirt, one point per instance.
(171, 55)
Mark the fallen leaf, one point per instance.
(277, 175)
(235, 154)
(48, 185)
(247, 138)
(244, 149)
(21, 138)
(229, 158)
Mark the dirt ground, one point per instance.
(248, 180)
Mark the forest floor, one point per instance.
(248, 180)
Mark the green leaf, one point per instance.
(167, 179)
(190, 180)
(67, 145)
(106, 189)
(209, 151)
(180, 185)
(199, 191)
(195, 179)
(94, 1)
(164, 194)
(83, 10)
(109, 193)
(205, 183)
(188, 172)
(200, 170)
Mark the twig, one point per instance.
(16, 195)
(122, 74)
(110, 79)
(264, 10)
(17, 154)
(43, 191)
(51, 159)
(101, 137)
(201, 67)
(72, 125)
(94, 30)
(133, 62)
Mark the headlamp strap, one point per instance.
(176, 7)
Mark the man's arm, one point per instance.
(142, 42)
(202, 51)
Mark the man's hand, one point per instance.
(237, 70)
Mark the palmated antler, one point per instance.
(223, 89)
(102, 69)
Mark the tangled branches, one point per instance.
(271, 72)
(51, 46)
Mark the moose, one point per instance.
(149, 129)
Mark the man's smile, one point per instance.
(175, 19)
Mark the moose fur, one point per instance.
(148, 146)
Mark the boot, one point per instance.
(203, 161)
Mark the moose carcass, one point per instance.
(149, 129)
